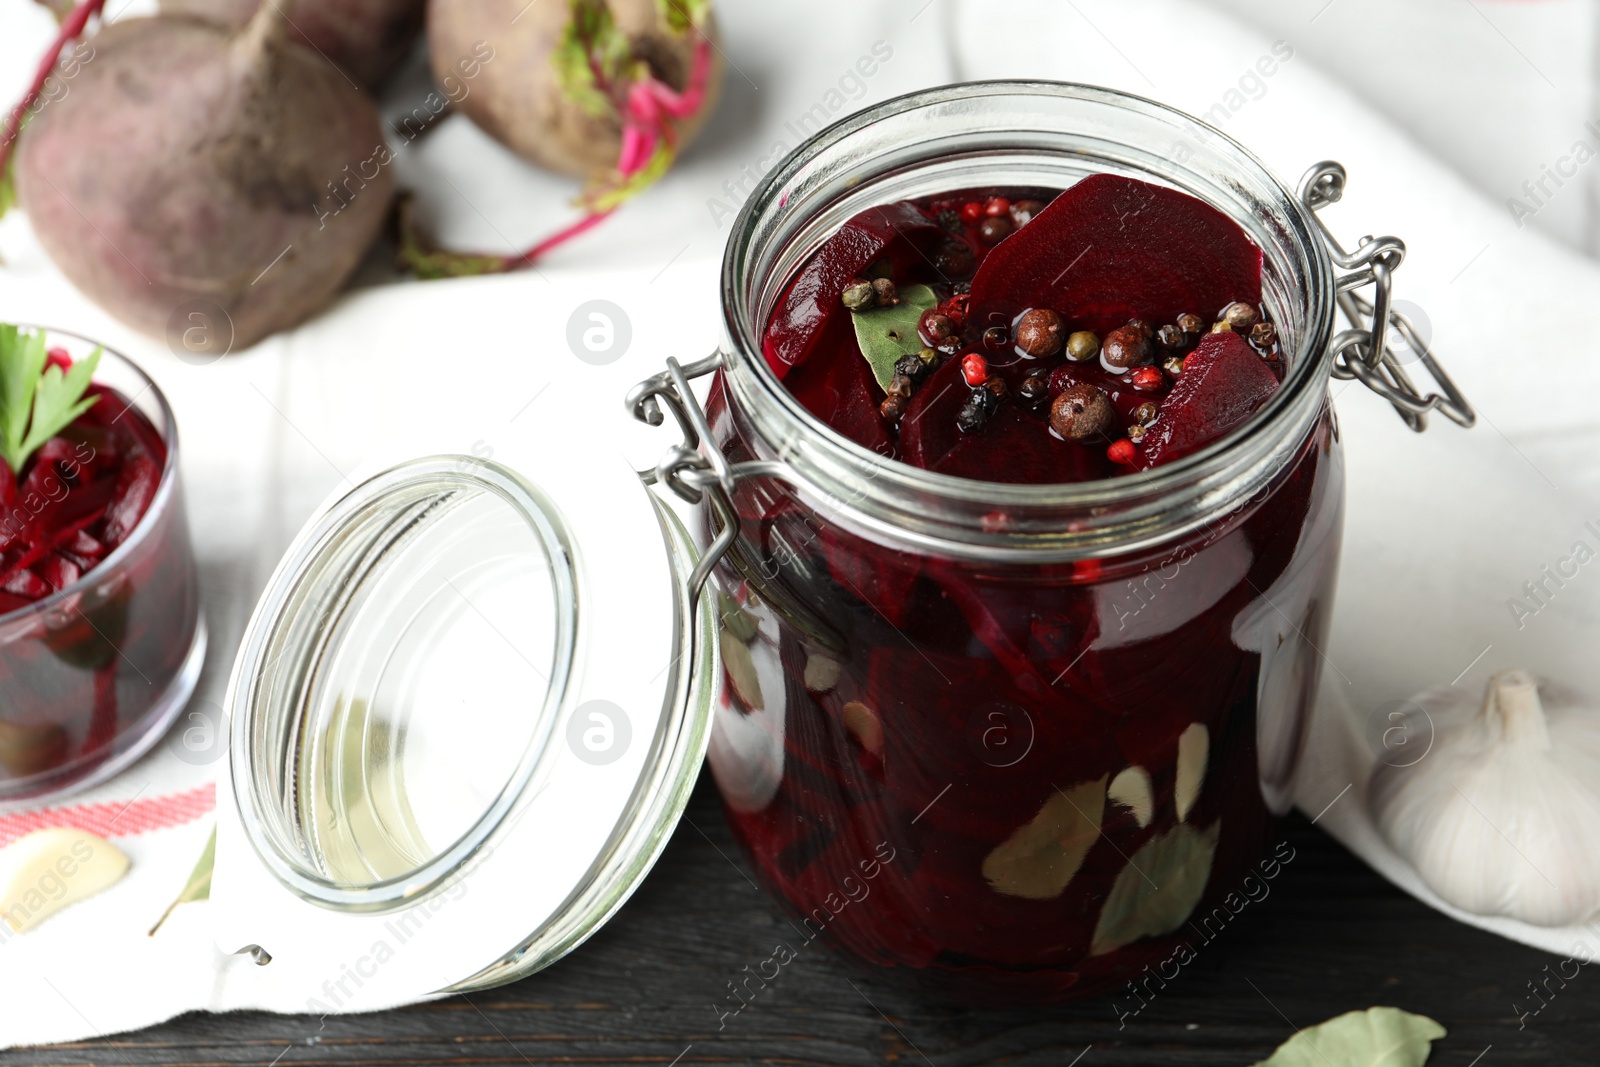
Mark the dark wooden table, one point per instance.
(1332, 936)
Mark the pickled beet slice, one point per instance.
(811, 304)
(1018, 447)
(1111, 249)
(136, 488)
(1222, 384)
(928, 429)
(843, 394)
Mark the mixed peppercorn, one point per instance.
(1138, 355)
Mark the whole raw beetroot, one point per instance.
(529, 96)
(193, 168)
(365, 37)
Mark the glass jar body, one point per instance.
(965, 770)
(94, 675)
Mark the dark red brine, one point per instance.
(98, 610)
(1015, 780)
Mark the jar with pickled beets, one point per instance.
(1024, 499)
(100, 632)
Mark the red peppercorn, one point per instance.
(997, 205)
(1146, 379)
(971, 211)
(1121, 452)
(975, 369)
(59, 357)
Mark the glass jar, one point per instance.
(1021, 740)
(94, 674)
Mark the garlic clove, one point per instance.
(1131, 789)
(48, 870)
(1499, 817)
(1194, 749)
(864, 725)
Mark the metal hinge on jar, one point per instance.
(696, 469)
(1363, 351)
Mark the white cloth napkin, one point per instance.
(1441, 528)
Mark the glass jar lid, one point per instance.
(468, 679)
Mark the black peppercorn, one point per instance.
(1145, 413)
(1263, 334)
(1023, 211)
(1173, 366)
(997, 385)
(951, 221)
(995, 229)
(1035, 387)
(893, 408)
(1192, 325)
(884, 290)
(900, 385)
(1171, 337)
(975, 413)
(954, 260)
(912, 368)
(996, 337)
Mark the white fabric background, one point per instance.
(1441, 529)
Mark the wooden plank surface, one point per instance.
(649, 989)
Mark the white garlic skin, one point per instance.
(1502, 816)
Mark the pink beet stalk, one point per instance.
(651, 108)
(71, 29)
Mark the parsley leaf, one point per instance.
(37, 400)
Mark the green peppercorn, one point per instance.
(859, 296)
(1083, 346)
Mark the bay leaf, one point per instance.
(1377, 1037)
(198, 887)
(1158, 889)
(886, 334)
(1040, 858)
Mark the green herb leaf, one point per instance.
(198, 886)
(1158, 889)
(1377, 1037)
(58, 400)
(22, 360)
(886, 334)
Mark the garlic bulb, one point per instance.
(1500, 817)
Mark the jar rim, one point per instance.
(1205, 475)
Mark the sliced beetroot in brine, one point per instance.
(1017, 447)
(898, 231)
(1111, 249)
(928, 429)
(136, 488)
(1223, 382)
(843, 394)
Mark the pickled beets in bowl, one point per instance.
(1005, 779)
(99, 609)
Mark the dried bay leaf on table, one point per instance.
(1158, 889)
(886, 334)
(1377, 1037)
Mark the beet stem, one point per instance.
(71, 29)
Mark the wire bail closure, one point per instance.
(1363, 351)
(696, 470)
